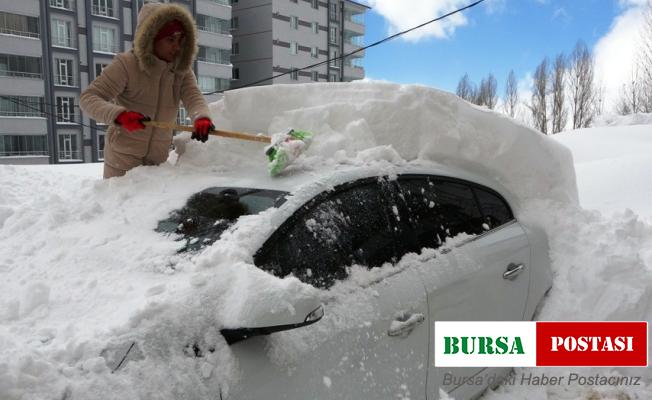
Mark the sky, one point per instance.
(497, 36)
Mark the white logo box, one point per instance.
(526, 330)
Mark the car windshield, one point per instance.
(210, 212)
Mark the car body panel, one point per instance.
(360, 360)
(479, 292)
(342, 356)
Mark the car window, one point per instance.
(433, 209)
(350, 225)
(209, 213)
(495, 210)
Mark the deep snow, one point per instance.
(82, 268)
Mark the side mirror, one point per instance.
(304, 315)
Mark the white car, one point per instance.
(440, 244)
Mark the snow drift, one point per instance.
(83, 270)
(419, 123)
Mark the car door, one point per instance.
(373, 338)
(481, 276)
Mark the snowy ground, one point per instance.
(81, 266)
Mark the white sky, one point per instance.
(615, 52)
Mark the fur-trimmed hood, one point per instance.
(152, 17)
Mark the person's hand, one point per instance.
(131, 120)
(202, 127)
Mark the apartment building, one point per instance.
(280, 36)
(50, 50)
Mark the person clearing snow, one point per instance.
(148, 82)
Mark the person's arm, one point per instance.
(95, 101)
(192, 99)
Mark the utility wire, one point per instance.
(459, 10)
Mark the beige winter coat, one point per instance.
(139, 81)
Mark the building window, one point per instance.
(21, 25)
(100, 147)
(212, 24)
(63, 73)
(65, 109)
(21, 106)
(294, 22)
(103, 8)
(235, 49)
(332, 11)
(332, 37)
(68, 148)
(104, 39)
(235, 73)
(314, 52)
(294, 74)
(234, 23)
(61, 33)
(65, 4)
(214, 55)
(23, 145)
(315, 4)
(333, 58)
(294, 48)
(315, 76)
(99, 67)
(315, 28)
(212, 84)
(20, 66)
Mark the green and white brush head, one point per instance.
(285, 148)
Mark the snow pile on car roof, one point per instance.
(419, 123)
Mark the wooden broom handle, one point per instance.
(229, 134)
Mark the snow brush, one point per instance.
(283, 148)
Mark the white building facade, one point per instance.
(281, 36)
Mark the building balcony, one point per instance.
(350, 48)
(66, 42)
(14, 32)
(65, 81)
(63, 4)
(223, 71)
(353, 72)
(24, 153)
(23, 123)
(106, 48)
(222, 2)
(21, 74)
(101, 11)
(213, 39)
(354, 26)
(67, 119)
(71, 156)
(22, 114)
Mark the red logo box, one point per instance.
(592, 344)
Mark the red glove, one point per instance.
(202, 127)
(131, 120)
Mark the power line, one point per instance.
(353, 52)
